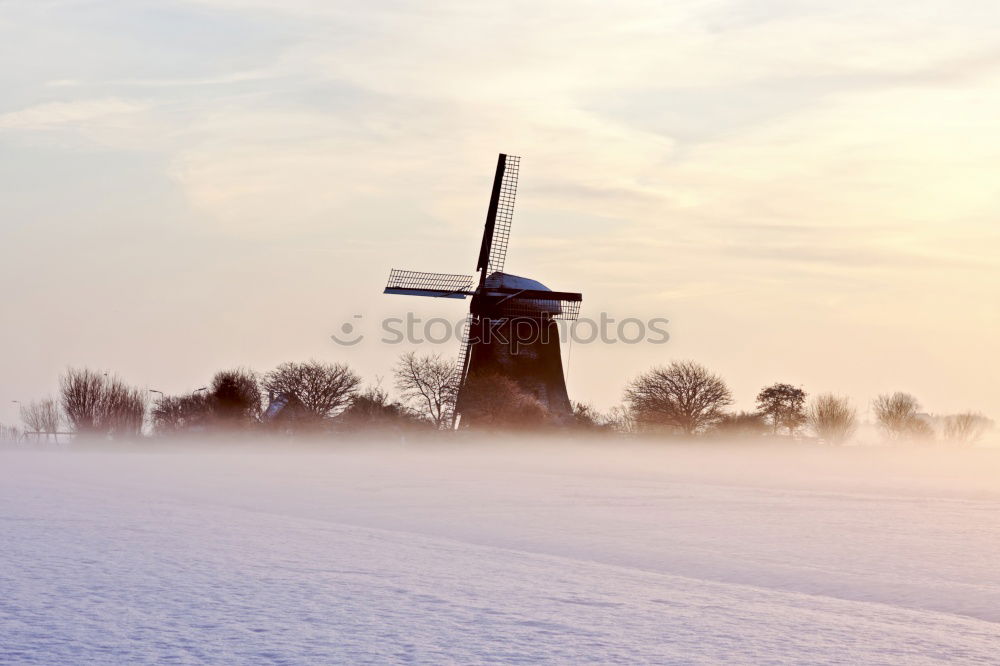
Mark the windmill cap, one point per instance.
(523, 306)
(508, 281)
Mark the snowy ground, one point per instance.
(512, 553)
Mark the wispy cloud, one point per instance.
(72, 113)
(165, 82)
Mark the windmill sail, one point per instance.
(463, 354)
(493, 251)
(440, 285)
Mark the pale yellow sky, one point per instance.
(806, 190)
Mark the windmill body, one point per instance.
(512, 328)
(524, 348)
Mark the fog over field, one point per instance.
(510, 551)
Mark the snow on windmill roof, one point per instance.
(508, 281)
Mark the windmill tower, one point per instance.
(511, 329)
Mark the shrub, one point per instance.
(832, 418)
(741, 424)
(491, 402)
(965, 429)
(898, 415)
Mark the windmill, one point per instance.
(504, 308)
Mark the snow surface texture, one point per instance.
(504, 554)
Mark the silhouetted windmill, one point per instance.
(502, 305)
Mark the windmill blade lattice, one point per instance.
(505, 215)
(417, 283)
(463, 354)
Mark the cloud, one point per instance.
(164, 82)
(72, 113)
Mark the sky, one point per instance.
(806, 190)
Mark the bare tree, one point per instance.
(430, 384)
(42, 416)
(965, 429)
(898, 415)
(31, 417)
(236, 397)
(784, 404)
(683, 395)
(98, 404)
(616, 419)
(323, 389)
(52, 417)
(619, 419)
(123, 409)
(832, 418)
(82, 391)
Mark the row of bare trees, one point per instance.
(310, 395)
(685, 397)
(235, 400)
(313, 396)
(90, 404)
(900, 418)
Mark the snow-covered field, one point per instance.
(502, 553)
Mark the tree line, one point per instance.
(682, 398)
(687, 398)
(304, 397)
